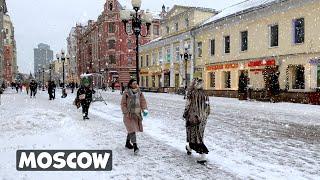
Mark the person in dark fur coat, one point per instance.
(196, 114)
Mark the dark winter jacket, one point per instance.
(51, 87)
(33, 85)
(88, 94)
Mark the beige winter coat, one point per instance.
(133, 122)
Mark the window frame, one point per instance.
(225, 43)
(244, 47)
(270, 35)
(294, 21)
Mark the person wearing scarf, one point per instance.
(133, 104)
(196, 113)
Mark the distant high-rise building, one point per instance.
(43, 55)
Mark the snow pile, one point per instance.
(245, 6)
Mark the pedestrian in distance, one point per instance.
(72, 86)
(196, 114)
(33, 88)
(84, 95)
(122, 88)
(133, 104)
(27, 88)
(17, 87)
(51, 90)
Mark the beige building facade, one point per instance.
(282, 36)
(160, 60)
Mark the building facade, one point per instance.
(104, 47)
(43, 55)
(257, 38)
(278, 36)
(10, 68)
(72, 51)
(160, 60)
(3, 11)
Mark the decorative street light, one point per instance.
(136, 19)
(63, 57)
(185, 56)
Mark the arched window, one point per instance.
(110, 6)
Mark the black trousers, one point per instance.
(33, 92)
(85, 108)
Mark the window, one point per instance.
(156, 30)
(111, 27)
(141, 61)
(177, 26)
(244, 41)
(168, 55)
(160, 57)
(177, 53)
(154, 59)
(110, 6)
(129, 44)
(153, 81)
(227, 79)
(112, 59)
(167, 29)
(212, 47)
(129, 60)
(147, 60)
(187, 22)
(298, 30)
(298, 77)
(147, 81)
(212, 80)
(129, 28)
(199, 49)
(274, 35)
(227, 44)
(111, 44)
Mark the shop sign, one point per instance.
(214, 67)
(315, 61)
(229, 66)
(221, 66)
(267, 62)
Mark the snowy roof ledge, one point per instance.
(240, 9)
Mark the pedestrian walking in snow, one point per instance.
(27, 88)
(133, 103)
(84, 95)
(196, 113)
(51, 89)
(33, 88)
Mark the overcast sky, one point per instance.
(50, 21)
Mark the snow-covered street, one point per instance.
(246, 140)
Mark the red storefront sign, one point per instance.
(267, 62)
(221, 66)
(214, 67)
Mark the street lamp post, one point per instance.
(136, 20)
(50, 69)
(186, 56)
(63, 57)
(43, 79)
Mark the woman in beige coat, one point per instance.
(133, 104)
